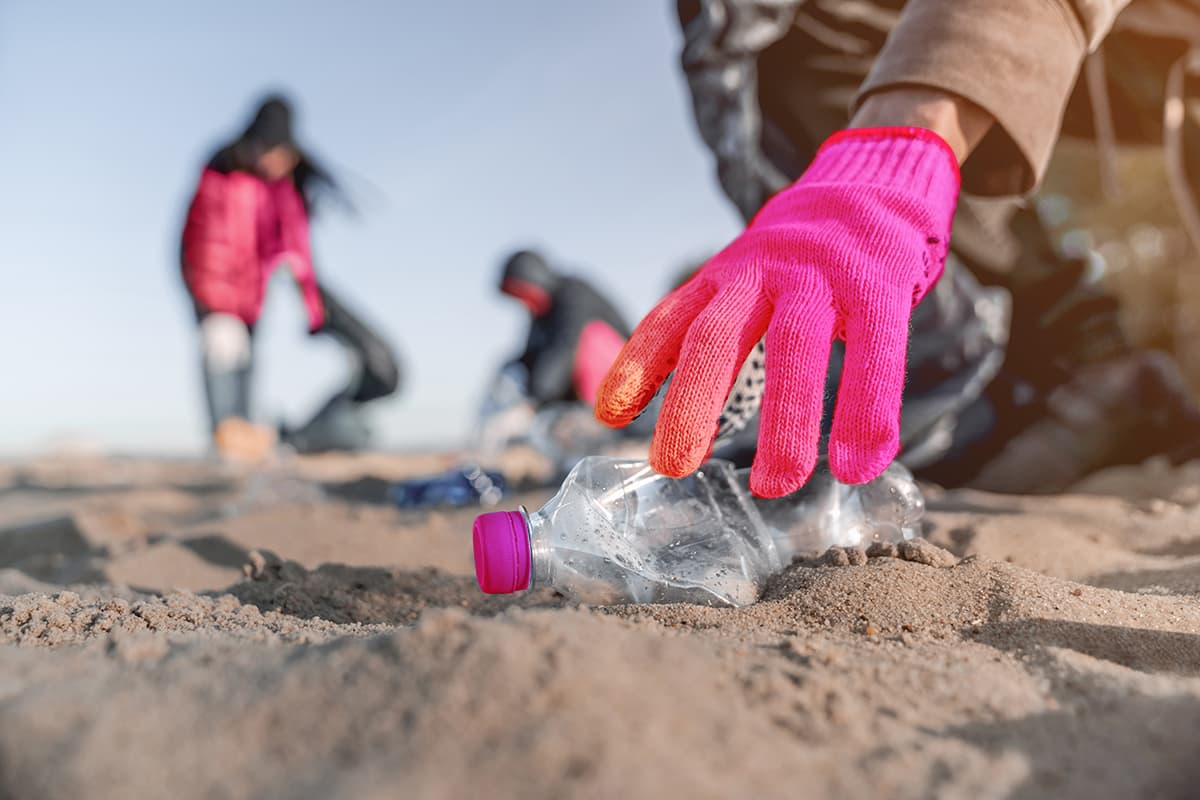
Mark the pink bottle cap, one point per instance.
(502, 558)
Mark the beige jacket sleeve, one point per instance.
(1017, 59)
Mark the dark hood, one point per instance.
(530, 267)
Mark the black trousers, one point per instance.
(337, 425)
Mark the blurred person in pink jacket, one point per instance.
(249, 217)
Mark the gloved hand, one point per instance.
(846, 251)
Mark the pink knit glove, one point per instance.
(845, 252)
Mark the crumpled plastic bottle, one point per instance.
(618, 532)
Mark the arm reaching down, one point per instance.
(851, 247)
(845, 252)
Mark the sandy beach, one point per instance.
(179, 628)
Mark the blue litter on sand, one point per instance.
(456, 488)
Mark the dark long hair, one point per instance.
(271, 127)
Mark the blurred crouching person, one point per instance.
(575, 332)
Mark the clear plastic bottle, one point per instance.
(618, 532)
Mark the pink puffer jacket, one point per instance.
(239, 230)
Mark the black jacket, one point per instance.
(549, 355)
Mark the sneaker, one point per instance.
(244, 442)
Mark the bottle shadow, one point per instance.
(370, 595)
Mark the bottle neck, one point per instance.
(541, 566)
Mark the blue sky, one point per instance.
(465, 129)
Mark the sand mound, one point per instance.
(64, 618)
